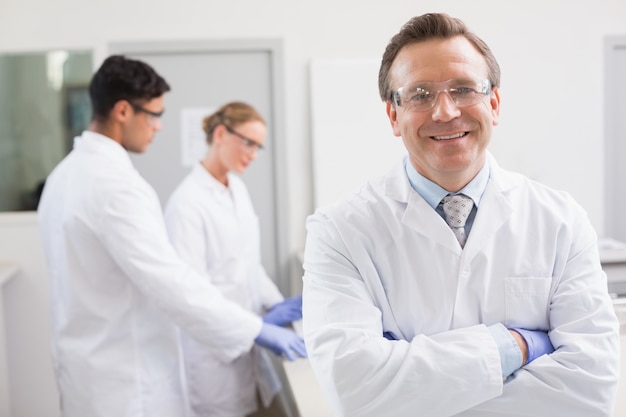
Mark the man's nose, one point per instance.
(445, 108)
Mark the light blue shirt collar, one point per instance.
(433, 193)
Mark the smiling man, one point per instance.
(451, 286)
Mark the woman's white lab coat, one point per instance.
(119, 289)
(216, 230)
(384, 261)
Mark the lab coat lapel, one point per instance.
(494, 211)
(418, 214)
(212, 186)
(421, 217)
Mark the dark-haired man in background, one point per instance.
(118, 288)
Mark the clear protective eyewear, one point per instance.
(153, 117)
(423, 96)
(250, 144)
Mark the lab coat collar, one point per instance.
(496, 208)
(91, 141)
(398, 187)
(433, 193)
(224, 195)
(504, 180)
(419, 215)
(206, 180)
(492, 214)
(396, 183)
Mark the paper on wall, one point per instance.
(193, 138)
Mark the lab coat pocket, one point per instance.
(527, 302)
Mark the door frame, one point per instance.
(614, 148)
(273, 47)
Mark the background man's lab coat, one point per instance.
(216, 230)
(116, 284)
(384, 261)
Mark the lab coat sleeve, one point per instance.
(363, 374)
(134, 234)
(583, 371)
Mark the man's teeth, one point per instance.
(456, 135)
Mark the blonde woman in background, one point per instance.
(213, 225)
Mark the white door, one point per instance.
(615, 137)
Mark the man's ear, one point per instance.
(392, 113)
(494, 101)
(121, 111)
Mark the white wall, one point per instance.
(551, 54)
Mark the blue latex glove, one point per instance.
(281, 341)
(538, 343)
(285, 312)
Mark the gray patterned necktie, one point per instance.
(456, 209)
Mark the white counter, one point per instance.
(305, 388)
(7, 271)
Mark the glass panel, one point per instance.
(43, 104)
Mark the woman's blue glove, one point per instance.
(281, 341)
(285, 312)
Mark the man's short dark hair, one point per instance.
(121, 78)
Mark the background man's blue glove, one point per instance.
(281, 341)
(285, 312)
(538, 343)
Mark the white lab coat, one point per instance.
(216, 230)
(118, 289)
(384, 261)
